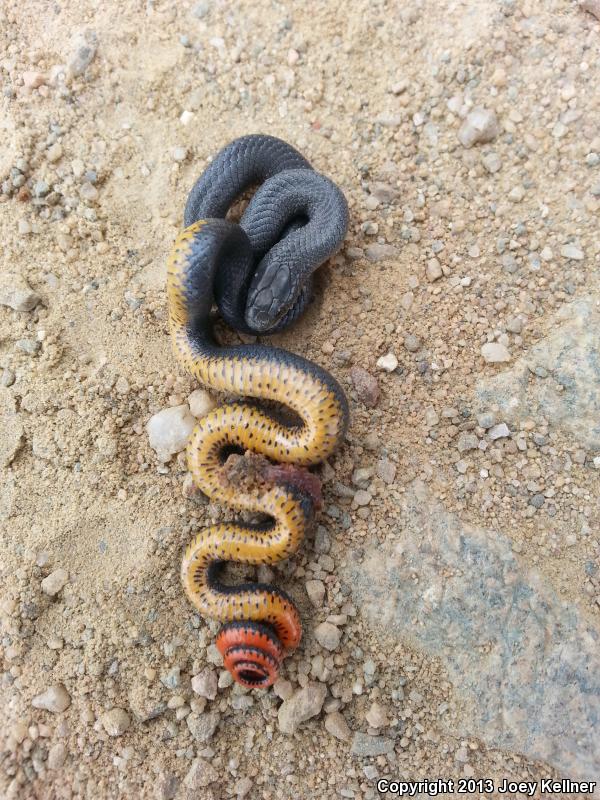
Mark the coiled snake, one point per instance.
(258, 273)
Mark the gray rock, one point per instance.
(85, 48)
(386, 470)
(203, 726)
(500, 431)
(365, 745)
(57, 755)
(16, 293)
(466, 442)
(11, 428)
(492, 162)
(316, 592)
(412, 342)
(201, 774)
(480, 126)
(537, 501)
(570, 397)
(366, 386)
(336, 725)
(304, 704)
(535, 686)
(328, 635)
(572, 252)
(322, 540)
(380, 252)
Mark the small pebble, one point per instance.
(200, 403)
(412, 343)
(494, 353)
(328, 635)
(57, 755)
(366, 386)
(316, 592)
(301, 706)
(55, 699)
(433, 270)
(169, 431)
(205, 684)
(479, 127)
(203, 726)
(387, 363)
(500, 431)
(572, 252)
(53, 583)
(16, 293)
(116, 721)
(336, 725)
(377, 717)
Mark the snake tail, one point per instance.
(261, 622)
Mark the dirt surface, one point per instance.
(108, 114)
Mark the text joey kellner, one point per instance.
(471, 786)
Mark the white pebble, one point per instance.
(494, 352)
(388, 363)
(571, 252)
(169, 431)
(200, 403)
(53, 583)
(186, 117)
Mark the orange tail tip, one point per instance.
(251, 652)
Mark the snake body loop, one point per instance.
(262, 623)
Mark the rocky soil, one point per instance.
(451, 590)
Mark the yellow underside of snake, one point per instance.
(266, 621)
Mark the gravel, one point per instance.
(365, 745)
(366, 386)
(203, 726)
(495, 353)
(336, 725)
(479, 127)
(116, 721)
(16, 293)
(55, 699)
(303, 705)
(328, 635)
(205, 684)
(387, 363)
(53, 583)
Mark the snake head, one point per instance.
(270, 297)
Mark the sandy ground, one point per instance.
(108, 114)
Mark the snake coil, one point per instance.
(258, 273)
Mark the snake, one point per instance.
(247, 454)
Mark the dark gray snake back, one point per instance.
(296, 220)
